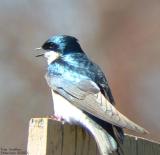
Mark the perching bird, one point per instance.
(81, 94)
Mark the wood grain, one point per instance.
(48, 137)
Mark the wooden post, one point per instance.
(48, 137)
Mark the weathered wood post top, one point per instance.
(48, 137)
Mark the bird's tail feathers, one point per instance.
(104, 140)
(119, 137)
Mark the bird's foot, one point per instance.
(56, 118)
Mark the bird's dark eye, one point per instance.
(49, 46)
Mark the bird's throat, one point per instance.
(51, 56)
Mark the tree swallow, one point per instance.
(81, 94)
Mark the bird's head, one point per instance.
(59, 46)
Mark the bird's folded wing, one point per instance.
(87, 96)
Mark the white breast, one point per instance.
(64, 109)
(73, 115)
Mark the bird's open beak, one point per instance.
(39, 55)
(39, 48)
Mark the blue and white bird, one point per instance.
(81, 94)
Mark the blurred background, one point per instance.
(123, 37)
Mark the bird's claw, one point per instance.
(56, 118)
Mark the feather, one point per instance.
(91, 100)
